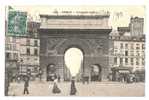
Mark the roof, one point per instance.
(73, 16)
(122, 68)
(128, 38)
(123, 29)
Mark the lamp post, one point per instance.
(7, 80)
(40, 73)
(21, 64)
(73, 89)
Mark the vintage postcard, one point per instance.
(75, 50)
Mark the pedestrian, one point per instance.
(55, 87)
(73, 89)
(40, 74)
(26, 85)
(18, 79)
(59, 78)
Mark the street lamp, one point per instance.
(40, 73)
(21, 63)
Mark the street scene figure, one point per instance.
(56, 89)
(59, 78)
(40, 74)
(73, 89)
(26, 85)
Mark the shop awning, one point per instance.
(123, 69)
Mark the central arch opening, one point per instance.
(73, 60)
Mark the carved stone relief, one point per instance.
(96, 44)
(52, 43)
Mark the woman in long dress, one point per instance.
(73, 88)
(55, 87)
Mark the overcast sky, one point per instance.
(119, 15)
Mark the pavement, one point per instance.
(43, 88)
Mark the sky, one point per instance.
(119, 15)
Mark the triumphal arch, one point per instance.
(87, 31)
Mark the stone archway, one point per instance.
(84, 47)
(55, 42)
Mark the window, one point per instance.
(11, 47)
(126, 53)
(27, 42)
(7, 55)
(35, 52)
(137, 61)
(143, 46)
(36, 59)
(121, 52)
(35, 43)
(115, 47)
(126, 61)
(8, 47)
(14, 40)
(115, 51)
(121, 45)
(115, 60)
(126, 46)
(27, 58)
(15, 56)
(121, 60)
(132, 61)
(132, 53)
(32, 69)
(132, 46)
(7, 39)
(28, 51)
(143, 53)
(14, 47)
(137, 53)
(143, 62)
(137, 46)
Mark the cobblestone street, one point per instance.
(37, 88)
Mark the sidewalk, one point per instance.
(43, 88)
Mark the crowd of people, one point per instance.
(55, 88)
(126, 77)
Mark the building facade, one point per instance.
(128, 51)
(136, 26)
(29, 54)
(30, 48)
(12, 56)
(24, 50)
(12, 48)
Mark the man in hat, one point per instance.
(73, 89)
(26, 85)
